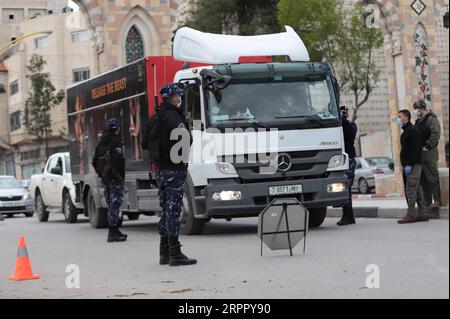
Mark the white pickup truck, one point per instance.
(53, 190)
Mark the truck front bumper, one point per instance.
(255, 196)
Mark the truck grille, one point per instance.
(10, 199)
(305, 165)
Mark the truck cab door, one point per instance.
(52, 177)
(192, 105)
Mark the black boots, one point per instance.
(347, 217)
(164, 256)
(176, 257)
(115, 236)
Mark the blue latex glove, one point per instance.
(408, 170)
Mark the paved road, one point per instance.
(413, 261)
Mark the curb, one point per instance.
(377, 196)
(387, 213)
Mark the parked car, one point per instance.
(53, 190)
(25, 183)
(384, 163)
(365, 176)
(14, 199)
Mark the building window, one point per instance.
(80, 36)
(134, 46)
(30, 170)
(81, 74)
(10, 168)
(11, 17)
(41, 42)
(15, 123)
(14, 87)
(30, 155)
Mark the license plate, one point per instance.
(9, 204)
(285, 190)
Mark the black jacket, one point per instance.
(411, 142)
(350, 130)
(117, 157)
(171, 118)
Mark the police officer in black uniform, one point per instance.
(113, 177)
(171, 175)
(350, 129)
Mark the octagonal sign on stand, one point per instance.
(283, 224)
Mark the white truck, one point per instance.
(53, 190)
(236, 97)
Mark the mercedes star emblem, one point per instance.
(284, 162)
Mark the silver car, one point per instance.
(14, 199)
(365, 176)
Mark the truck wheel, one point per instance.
(29, 214)
(133, 216)
(40, 209)
(69, 211)
(317, 216)
(98, 217)
(189, 224)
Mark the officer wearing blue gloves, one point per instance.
(411, 160)
(171, 175)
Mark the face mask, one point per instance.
(179, 104)
(399, 122)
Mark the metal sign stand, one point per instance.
(288, 230)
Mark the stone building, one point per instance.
(13, 12)
(69, 57)
(125, 30)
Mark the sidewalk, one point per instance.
(371, 206)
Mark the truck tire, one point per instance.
(317, 216)
(69, 211)
(133, 216)
(189, 224)
(28, 215)
(98, 217)
(40, 209)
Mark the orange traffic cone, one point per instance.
(23, 266)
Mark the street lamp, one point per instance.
(23, 37)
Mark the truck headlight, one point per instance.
(26, 196)
(336, 161)
(336, 188)
(227, 196)
(226, 168)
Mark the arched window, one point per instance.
(134, 46)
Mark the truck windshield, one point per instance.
(300, 103)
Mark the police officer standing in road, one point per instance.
(350, 129)
(109, 161)
(411, 160)
(171, 175)
(430, 129)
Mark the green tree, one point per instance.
(241, 17)
(356, 65)
(42, 99)
(341, 38)
(318, 24)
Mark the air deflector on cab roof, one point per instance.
(194, 46)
